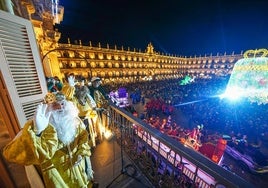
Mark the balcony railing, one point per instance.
(163, 160)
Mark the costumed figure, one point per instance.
(193, 139)
(68, 88)
(88, 111)
(56, 141)
(100, 97)
(54, 84)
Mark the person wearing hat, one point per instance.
(56, 141)
(87, 111)
(101, 94)
(100, 97)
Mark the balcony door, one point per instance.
(22, 87)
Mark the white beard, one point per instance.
(66, 124)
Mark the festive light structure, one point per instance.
(120, 97)
(249, 78)
(187, 80)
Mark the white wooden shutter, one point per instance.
(21, 65)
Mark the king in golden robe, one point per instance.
(56, 141)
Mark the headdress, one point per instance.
(50, 98)
(93, 79)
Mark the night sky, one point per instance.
(175, 27)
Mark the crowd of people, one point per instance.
(201, 103)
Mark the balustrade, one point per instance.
(165, 161)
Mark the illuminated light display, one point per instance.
(186, 80)
(249, 78)
(120, 97)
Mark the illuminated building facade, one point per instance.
(126, 66)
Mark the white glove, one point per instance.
(71, 81)
(41, 118)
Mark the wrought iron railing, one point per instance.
(165, 161)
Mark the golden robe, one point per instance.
(56, 160)
(86, 111)
(68, 91)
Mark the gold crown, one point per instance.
(256, 53)
(50, 98)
